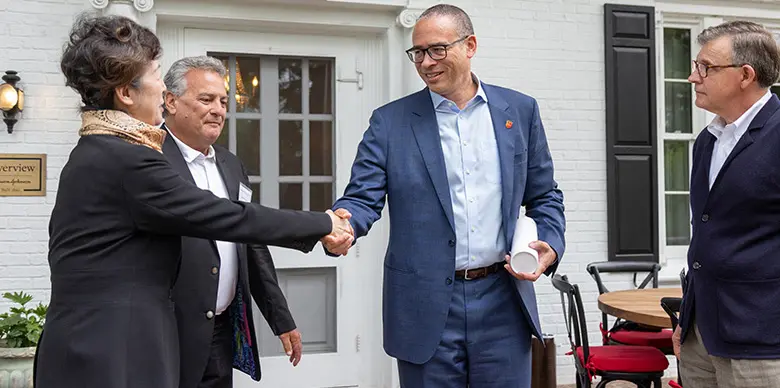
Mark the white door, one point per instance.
(293, 123)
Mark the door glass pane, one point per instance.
(224, 59)
(290, 148)
(677, 53)
(321, 196)
(248, 84)
(248, 144)
(320, 86)
(676, 165)
(291, 196)
(290, 96)
(678, 219)
(678, 107)
(321, 148)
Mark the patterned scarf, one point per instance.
(121, 125)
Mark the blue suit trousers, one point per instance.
(485, 332)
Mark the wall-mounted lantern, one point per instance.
(11, 99)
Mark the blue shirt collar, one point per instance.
(438, 99)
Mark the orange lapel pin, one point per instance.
(508, 124)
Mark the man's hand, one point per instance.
(293, 347)
(547, 257)
(342, 236)
(676, 341)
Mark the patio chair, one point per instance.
(625, 332)
(672, 305)
(641, 365)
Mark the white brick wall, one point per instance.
(31, 37)
(550, 49)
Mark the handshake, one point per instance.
(342, 235)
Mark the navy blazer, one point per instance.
(400, 160)
(733, 291)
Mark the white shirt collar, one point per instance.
(188, 152)
(438, 99)
(718, 126)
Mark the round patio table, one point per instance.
(641, 306)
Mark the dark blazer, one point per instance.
(400, 160)
(733, 291)
(195, 292)
(115, 245)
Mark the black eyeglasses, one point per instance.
(703, 69)
(437, 52)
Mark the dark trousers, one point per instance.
(219, 370)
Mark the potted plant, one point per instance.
(20, 329)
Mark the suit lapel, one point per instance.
(426, 132)
(175, 158)
(700, 182)
(228, 175)
(231, 178)
(747, 139)
(505, 140)
(709, 147)
(743, 143)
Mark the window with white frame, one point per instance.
(679, 124)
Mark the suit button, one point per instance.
(214, 270)
(705, 217)
(448, 281)
(209, 314)
(696, 265)
(451, 243)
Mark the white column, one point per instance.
(411, 80)
(136, 10)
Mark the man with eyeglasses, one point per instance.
(455, 162)
(730, 315)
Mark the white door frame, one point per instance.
(339, 369)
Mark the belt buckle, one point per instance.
(466, 275)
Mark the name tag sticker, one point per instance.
(244, 193)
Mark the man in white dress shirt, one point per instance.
(212, 293)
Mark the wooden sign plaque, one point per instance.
(22, 175)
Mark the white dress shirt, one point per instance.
(728, 135)
(207, 177)
(468, 142)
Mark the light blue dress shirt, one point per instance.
(474, 175)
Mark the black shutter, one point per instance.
(632, 173)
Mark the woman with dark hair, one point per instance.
(120, 212)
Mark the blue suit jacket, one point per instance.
(400, 160)
(733, 290)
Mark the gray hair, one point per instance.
(751, 44)
(174, 78)
(459, 16)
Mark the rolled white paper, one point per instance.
(522, 257)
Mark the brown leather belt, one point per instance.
(476, 273)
